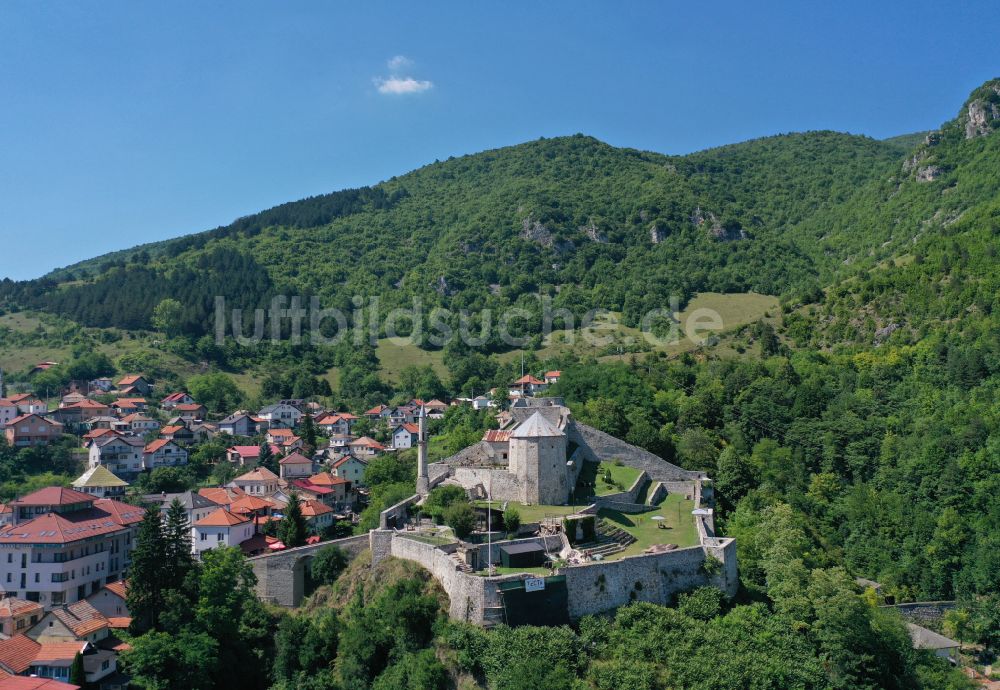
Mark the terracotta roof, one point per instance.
(106, 517)
(259, 474)
(32, 683)
(348, 458)
(247, 504)
(188, 407)
(369, 442)
(281, 432)
(378, 409)
(294, 459)
(221, 495)
(553, 374)
(167, 430)
(58, 651)
(221, 518)
(128, 402)
(12, 606)
(412, 428)
(53, 496)
(496, 436)
(317, 489)
(116, 588)
(173, 396)
(329, 419)
(325, 479)
(289, 441)
(129, 380)
(119, 622)
(81, 617)
(315, 508)
(4, 402)
(347, 415)
(528, 378)
(18, 420)
(156, 445)
(18, 652)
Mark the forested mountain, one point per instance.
(613, 228)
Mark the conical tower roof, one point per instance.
(535, 426)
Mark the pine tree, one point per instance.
(77, 674)
(309, 432)
(292, 530)
(146, 574)
(177, 545)
(267, 458)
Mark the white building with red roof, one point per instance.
(350, 468)
(366, 447)
(163, 453)
(257, 482)
(527, 385)
(405, 435)
(221, 528)
(65, 545)
(295, 465)
(175, 399)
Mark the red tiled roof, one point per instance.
(347, 415)
(18, 420)
(116, 588)
(119, 622)
(12, 606)
(81, 617)
(305, 485)
(18, 652)
(97, 433)
(294, 459)
(221, 495)
(188, 407)
(259, 474)
(497, 436)
(412, 428)
(129, 380)
(289, 442)
(369, 442)
(106, 517)
(247, 504)
(528, 378)
(87, 404)
(378, 409)
(348, 458)
(156, 445)
(281, 432)
(58, 651)
(325, 479)
(221, 517)
(32, 683)
(315, 508)
(167, 430)
(173, 396)
(53, 496)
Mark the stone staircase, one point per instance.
(460, 564)
(610, 539)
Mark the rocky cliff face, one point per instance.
(984, 112)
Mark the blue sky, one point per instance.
(127, 122)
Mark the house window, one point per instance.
(204, 536)
(220, 536)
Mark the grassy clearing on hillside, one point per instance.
(394, 357)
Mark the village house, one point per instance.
(295, 465)
(175, 399)
(339, 444)
(221, 528)
(178, 433)
(134, 382)
(163, 453)
(238, 424)
(552, 377)
(110, 600)
(404, 436)
(203, 431)
(481, 402)
(335, 424)
(318, 515)
(435, 408)
(22, 656)
(8, 411)
(379, 413)
(350, 468)
(77, 621)
(122, 455)
(17, 615)
(32, 430)
(20, 404)
(195, 506)
(366, 447)
(126, 406)
(257, 482)
(100, 482)
(190, 411)
(323, 486)
(248, 456)
(527, 386)
(77, 413)
(282, 414)
(221, 495)
(65, 545)
(140, 424)
(279, 436)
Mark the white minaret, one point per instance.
(423, 482)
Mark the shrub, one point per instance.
(702, 604)
(328, 564)
(461, 518)
(511, 520)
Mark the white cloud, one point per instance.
(398, 62)
(398, 86)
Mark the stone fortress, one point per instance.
(536, 458)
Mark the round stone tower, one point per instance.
(538, 460)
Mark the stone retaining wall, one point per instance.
(400, 512)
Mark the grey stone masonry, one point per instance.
(281, 575)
